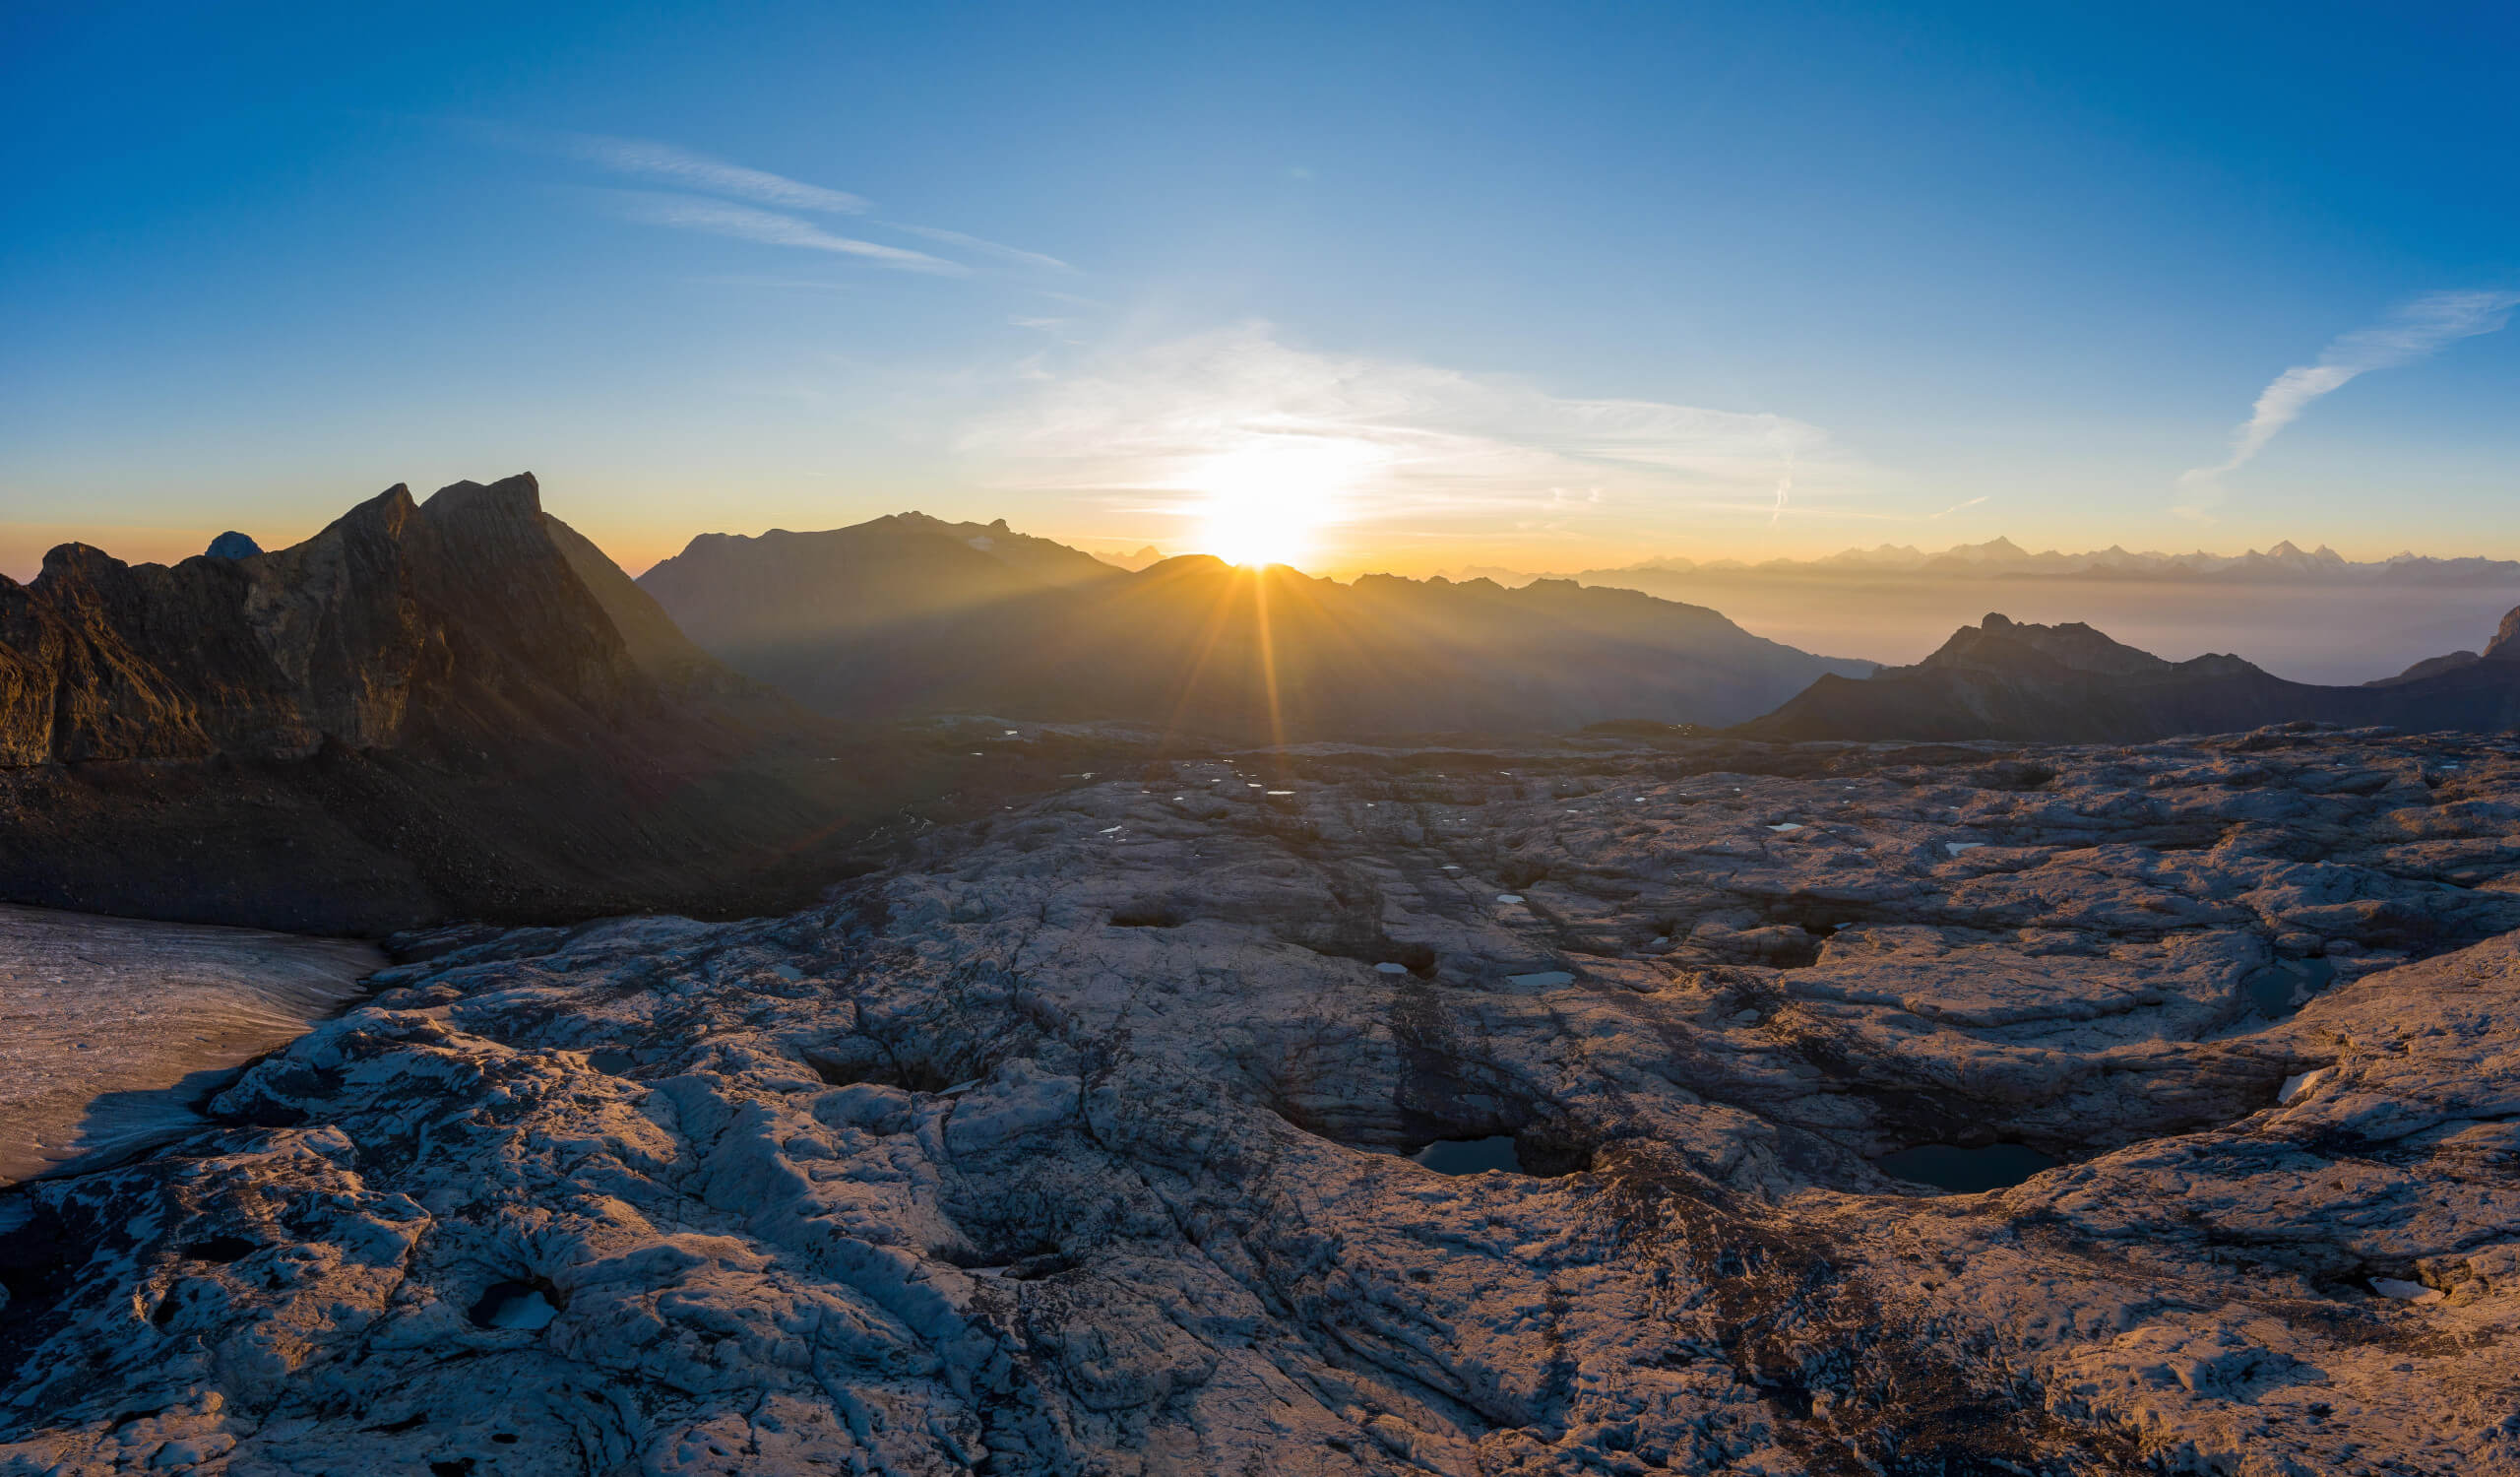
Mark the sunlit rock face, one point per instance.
(1081, 1143)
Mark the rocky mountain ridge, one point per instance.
(905, 616)
(2069, 683)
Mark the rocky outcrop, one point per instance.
(1076, 1144)
(2506, 645)
(905, 616)
(2068, 684)
(397, 625)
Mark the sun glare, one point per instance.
(1250, 532)
(1267, 502)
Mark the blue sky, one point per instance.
(1441, 284)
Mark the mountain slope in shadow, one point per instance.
(906, 617)
(2068, 684)
(450, 708)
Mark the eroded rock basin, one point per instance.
(1075, 1145)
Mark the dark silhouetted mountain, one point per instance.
(2429, 666)
(452, 709)
(734, 593)
(232, 544)
(907, 617)
(2070, 685)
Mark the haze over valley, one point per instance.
(2309, 619)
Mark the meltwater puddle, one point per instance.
(2279, 989)
(515, 1304)
(1471, 1156)
(1967, 1172)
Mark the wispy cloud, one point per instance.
(698, 171)
(703, 175)
(769, 227)
(1954, 508)
(2421, 328)
(1165, 428)
(1015, 254)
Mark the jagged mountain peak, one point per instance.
(2000, 641)
(522, 492)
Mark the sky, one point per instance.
(1382, 286)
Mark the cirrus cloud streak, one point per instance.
(769, 227)
(2416, 331)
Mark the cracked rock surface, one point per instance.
(1076, 1144)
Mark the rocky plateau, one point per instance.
(1081, 1142)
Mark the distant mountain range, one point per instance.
(2001, 558)
(2068, 684)
(908, 615)
(1131, 560)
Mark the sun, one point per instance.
(1268, 501)
(1252, 532)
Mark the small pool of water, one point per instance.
(2277, 990)
(1546, 979)
(1965, 1171)
(514, 1304)
(611, 1061)
(1471, 1156)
